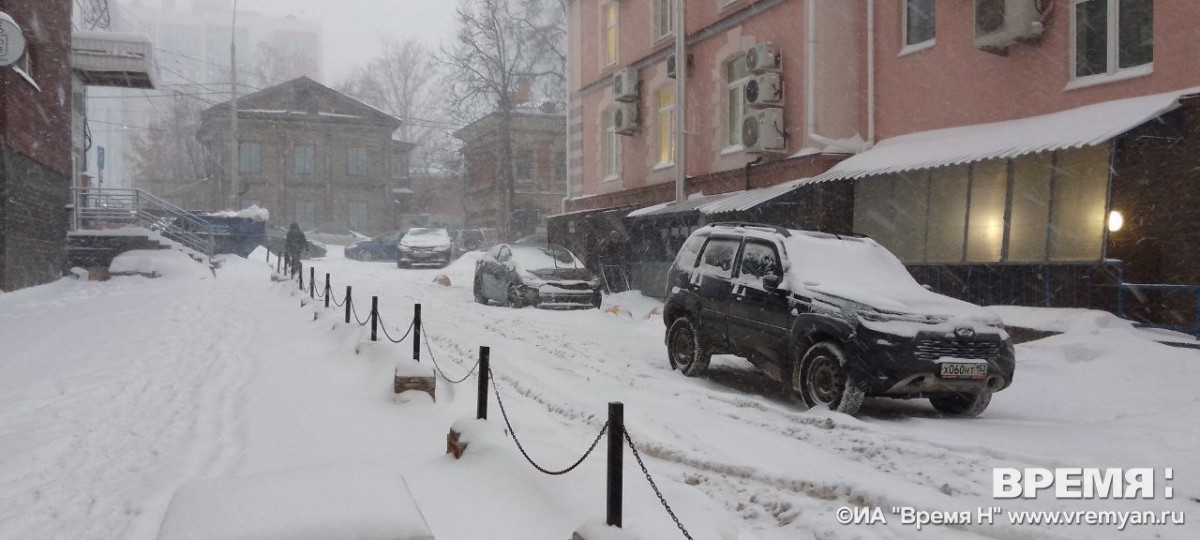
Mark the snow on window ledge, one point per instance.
(1105, 78)
(732, 149)
(663, 166)
(612, 178)
(916, 47)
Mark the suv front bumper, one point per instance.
(911, 366)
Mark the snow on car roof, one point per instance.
(535, 257)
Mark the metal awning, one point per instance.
(113, 59)
(734, 201)
(1074, 128)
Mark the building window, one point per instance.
(609, 166)
(249, 157)
(399, 164)
(918, 24)
(560, 169)
(736, 77)
(356, 216)
(609, 32)
(304, 159)
(306, 214)
(356, 159)
(1111, 36)
(666, 125)
(1048, 207)
(664, 21)
(523, 166)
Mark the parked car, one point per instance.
(835, 317)
(423, 246)
(335, 235)
(379, 248)
(519, 275)
(472, 240)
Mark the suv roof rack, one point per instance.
(752, 225)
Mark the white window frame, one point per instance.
(665, 121)
(656, 13)
(518, 156)
(297, 156)
(359, 212)
(604, 33)
(249, 161)
(610, 148)
(907, 48)
(1113, 44)
(740, 86)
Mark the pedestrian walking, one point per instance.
(295, 245)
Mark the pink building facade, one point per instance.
(930, 125)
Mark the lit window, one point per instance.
(918, 22)
(666, 125)
(1111, 36)
(664, 22)
(356, 161)
(736, 77)
(610, 33)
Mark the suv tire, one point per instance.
(478, 290)
(821, 379)
(513, 296)
(965, 404)
(685, 349)
(366, 256)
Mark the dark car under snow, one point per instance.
(548, 276)
(379, 248)
(835, 318)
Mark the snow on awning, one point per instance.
(693, 203)
(734, 201)
(1074, 128)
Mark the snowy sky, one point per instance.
(354, 29)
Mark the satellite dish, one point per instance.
(12, 41)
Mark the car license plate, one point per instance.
(420, 255)
(964, 371)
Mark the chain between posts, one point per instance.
(439, 368)
(355, 312)
(520, 447)
(654, 486)
(389, 336)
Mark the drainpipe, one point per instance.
(680, 157)
(870, 73)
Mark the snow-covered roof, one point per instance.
(734, 201)
(1083, 126)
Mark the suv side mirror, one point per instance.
(771, 283)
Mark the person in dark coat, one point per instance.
(295, 245)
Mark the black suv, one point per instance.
(834, 317)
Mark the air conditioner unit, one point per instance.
(625, 118)
(671, 65)
(625, 85)
(762, 58)
(764, 90)
(763, 131)
(1000, 23)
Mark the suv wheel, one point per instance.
(685, 348)
(478, 289)
(514, 297)
(366, 256)
(964, 404)
(821, 379)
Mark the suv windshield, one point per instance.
(850, 267)
(425, 237)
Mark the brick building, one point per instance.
(986, 143)
(35, 145)
(309, 154)
(538, 165)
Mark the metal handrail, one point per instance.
(133, 206)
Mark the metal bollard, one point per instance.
(374, 316)
(417, 332)
(326, 293)
(481, 400)
(347, 304)
(312, 282)
(616, 443)
(299, 270)
(278, 264)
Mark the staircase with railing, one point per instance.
(107, 208)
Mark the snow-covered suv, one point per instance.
(834, 317)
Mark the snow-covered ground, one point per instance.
(115, 394)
